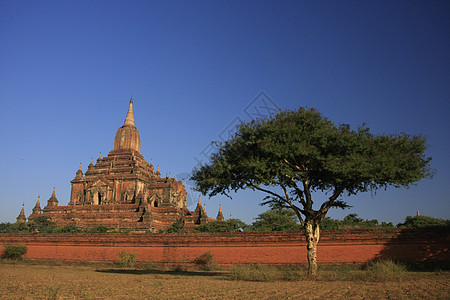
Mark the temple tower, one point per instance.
(122, 190)
(220, 214)
(37, 210)
(53, 201)
(21, 217)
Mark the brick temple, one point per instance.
(123, 191)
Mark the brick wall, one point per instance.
(419, 245)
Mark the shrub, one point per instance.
(99, 229)
(206, 262)
(255, 272)
(42, 224)
(14, 251)
(386, 270)
(14, 227)
(127, 260)
(102, 228)
(292, 273)
(66, 229)
(262, 272)
(177, 226)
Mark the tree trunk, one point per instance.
(312, 233)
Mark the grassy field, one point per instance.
(45, 281)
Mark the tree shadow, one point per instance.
(160, 272)
(419, 248)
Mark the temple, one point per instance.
(123, 191)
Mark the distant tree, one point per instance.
(42, 224)
(232, 225)
(5, 227)
(296, 153)
(68, 229)
(97, 229)
(330, 224)
(352, 221)
(14, 227)
(277, 219)
(423, 221)
(177, 226)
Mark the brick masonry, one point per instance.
(356, 246)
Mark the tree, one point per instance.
(423, 221)
(42, 224)
(352, 221)
(176, 227)
(278, 219)
(232, 225)
(296, 153)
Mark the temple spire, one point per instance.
(36, 210)
(79, 173)
(53, 201)
(129, 120)
(127, 136)
(38, 202)
(21, 217)
(220, 214)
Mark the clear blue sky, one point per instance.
(68, 68)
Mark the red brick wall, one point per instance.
(232, 248)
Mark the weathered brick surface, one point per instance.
(273, 247)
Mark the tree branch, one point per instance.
(299, 192)
(327, 205)
(308, 205)
(287, 200)
(266, 191)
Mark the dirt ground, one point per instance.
(22, 281)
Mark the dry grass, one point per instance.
(26, 281)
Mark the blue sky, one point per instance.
(68, 69)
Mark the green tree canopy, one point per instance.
(423, 221)
(352, 221)
(296, 153)
(232, 225)
(277, 219)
